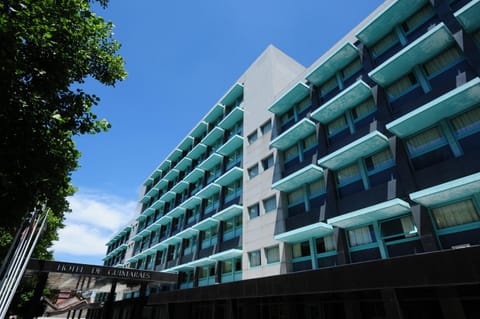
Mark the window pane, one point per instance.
(361, 236)
(379, 161)
(426, 141)
(252, 137)
(402, 85)
(363, 109)
(295, 197)
(303, 104)
(270, 204)
(348, 174)
(291, 153)
(254, 258)
(398, 228)
(455, 214)
(337, 125)
(253, 171)
(284, 118)
(352, 68)
(266, 127)
(309, 142)
(325, 244)
(467, 123)
(301, 249)
(267, 162)
(418, 18)
(442, 61)
(329, 85)
(253, 211)
(272, 254)
(385, 43)
(317, 188)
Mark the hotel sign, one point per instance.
(101, 271)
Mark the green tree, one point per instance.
(48, 48)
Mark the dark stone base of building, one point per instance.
(444, 284)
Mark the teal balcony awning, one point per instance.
(180, 187)
(384, 22)
(201, 262)
(152, 192)
(333, 63)
(230, 176)
(194, 175)
(197, 151)
(228, 212)
(205, 224)
(347, 99)
(209, 190)
(168, 196)
(183, 164)
(176, 212)
(231, 145)
(301, 177)
(468, 16)
(172, 174)
(449, 104)
(419, 51)
(163, 220)
(291, 136)
(232, 118)
(215, 134)
(289, 98)
(227, 254)
(367, 215)
(191, 202)
(178, 268)
(198, 130)
(187, 233)
(164, 166)
(174, 155)
(212, 161)
(161, 184)
(364, 146)
(186, 143)
(233, 94)
(214, 113)
(171, 240)
(316, 230)
(158, 204)
(448, 192)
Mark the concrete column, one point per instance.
(450, 303)
(340, 236)
(425, 228)
(391, 304)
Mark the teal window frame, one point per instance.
(213, 202)
(457, 228)
(235, 271)
(254, 259)
(206, 276)
(233, 190)
(303, 245)
(400, 237)
(232, 227)
(190, 245)
(209, 237)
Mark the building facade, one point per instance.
(369, 154)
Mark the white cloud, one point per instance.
(94, 219)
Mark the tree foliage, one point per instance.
(48, 48)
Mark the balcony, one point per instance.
(293, 181)
(305, 233)
(233, 94)
(231, 145)
(297, 132)
(231, 119)
(230, 176)
(468, 16)
(288, 99)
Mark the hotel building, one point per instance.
(369, 154)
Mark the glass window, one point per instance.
(303, 105)
(301, 249)
(467, 123)
(295, 197)
(476, 37)
(442, 61)
(379, 161)
(316, 188)
(253, 211)
(252, 137)
(234, 158)
(325, 244)
(270, 204)
(348, 174)
(209, 237)
(329, 85)
(402, 86)
(337, 125)
(385, 43)
(272, 254)
(267, 162)
(459, 213)
(287, 116)
(266, 127)
(309, 142)
(351, 69)
(361, 236)
(399, 228)
(212, 203)
(417, 19)
(254, 258)
(253, 171)
(426, 141)
(233, 190)
(363, 109)
(290, 153)
(232, 227)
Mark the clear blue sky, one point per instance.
(181, 58)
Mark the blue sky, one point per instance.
(181, 58)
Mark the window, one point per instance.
(234, 158)
(253, 211)
(287, 117)
(295, 197)
(266, 127)
(290, 153)
(361, 236)
(379, 161)
(455, 214)
(426, 141)
(329, 85)
(252, 137)
(233, 190)
(417, 19)
(348, 174)
(398, 229)
(270, 204)
(212, 203)
(402, 86)
(189, 245)
(309, 142)
(300, 250)
(363, 110)
(467, 123)
(209, 237)
(325, 244)
(254, 258)
(253, 171)
(267, 162)
(384, 44)
(214, 173)
(441, 62)
(337, 125)
(272, 254)
(232, 227)
(316, 188)
(351, 69)
(303, 105)
(206, 275)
